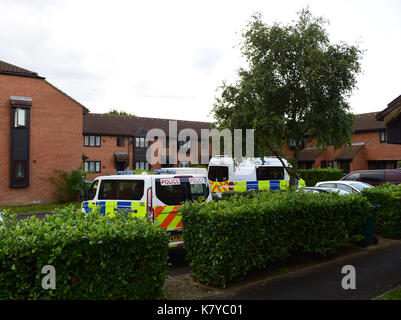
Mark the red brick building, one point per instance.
(40, 130)
(113, 143)
(369, 150)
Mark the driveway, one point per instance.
(377, 270)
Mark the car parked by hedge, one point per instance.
(375, 177)
(324, 190)
(349, 186)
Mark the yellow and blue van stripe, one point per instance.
(109, 208)
(242, 186)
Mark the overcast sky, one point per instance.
(165, 59)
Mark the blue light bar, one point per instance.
(159, 171)
(125, 172)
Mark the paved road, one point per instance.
(377, 271)
(178, 263)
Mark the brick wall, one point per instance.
(55, 141)
(105, 154)
(373, 150)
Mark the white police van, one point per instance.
(250, 174)
(148, 196)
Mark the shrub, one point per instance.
(388, 214)
(313, 176)
(69, 185)
(225, 240)
(95, 257)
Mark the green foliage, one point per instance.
(388, 214)
(69, 185)
(120, 113)
(296, 82)
(225, 240)
(313, 176)
(95, 257)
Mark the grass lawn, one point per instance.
(394, 294)
(43, 207)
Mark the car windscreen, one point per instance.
(360, 186)
(121, 190)
(218, 173)
(175, 191)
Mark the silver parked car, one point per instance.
(323, 190)
(349, 186)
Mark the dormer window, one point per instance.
(20, 117)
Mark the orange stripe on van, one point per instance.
(158, 210)
(170, 217)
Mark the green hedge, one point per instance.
(95, 257)
(313, 176)
(225, 240)
(388, 214)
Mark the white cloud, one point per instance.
(166, 58)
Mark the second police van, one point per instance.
(148, 196)
(250, 174)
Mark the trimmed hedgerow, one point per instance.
(95, 257)
(388, 214)
(313, 176)
(225, 240)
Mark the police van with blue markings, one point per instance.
(250, 174)
(156, 197)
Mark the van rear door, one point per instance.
(169, 195)
(122, 195)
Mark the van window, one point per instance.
(270, 173)
(375, 176)
(177, 194)
(92, 190)
(354, 176)
(121, 190)
(218, 173)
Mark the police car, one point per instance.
(148, 196)
(250, 174)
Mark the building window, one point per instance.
(332, 164)
(20, 118)
(92, 166)
(141, 143)
(323, 164)
(383, 135)
(19, 169)
(120, 142)
(140, 165)
(92, 141)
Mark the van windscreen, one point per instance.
(218, 173)
(121, 190)
(175, 194)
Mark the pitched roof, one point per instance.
(116, 125)
(349, 152)
(8, 68)
(393, 105)
(308, 154)
(368, 122)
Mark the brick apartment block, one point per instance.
(42, 129)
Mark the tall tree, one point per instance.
(296, 83)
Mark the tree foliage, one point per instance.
(120, 113)
(296, 83)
